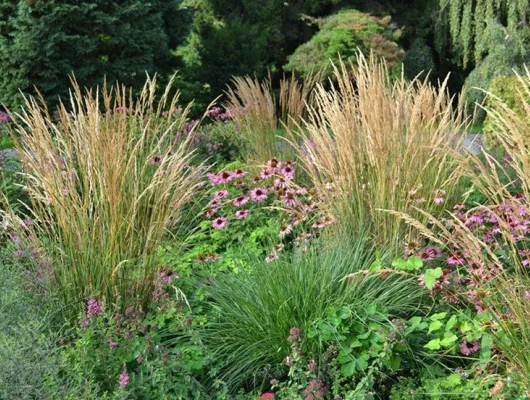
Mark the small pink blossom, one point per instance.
(241, 214)
(221, 194)
(285, 230)
(219, 223)
(124, 379)
(258, 194)
(239, 173)
(93, 308)
(240, 201)
(288, 172)
(267, 173)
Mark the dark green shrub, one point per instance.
(418, 60)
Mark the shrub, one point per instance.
(340, 37)
(105, 179)
(505, 54)
(381, 146)
(418, 61)
(253, 312)
(510, 91)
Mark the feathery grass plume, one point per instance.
(506, 185)
(105, 177)
(295, 96)
(256, 110)
(253, 312)
(380, 144)
(253, 107)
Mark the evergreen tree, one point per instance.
(43, 41)
(467, 22)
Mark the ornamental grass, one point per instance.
(106, 178)
(376, 143)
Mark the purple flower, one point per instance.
(124, 379)
(94, 308)
(83, 323)
(258, 194)
(4, 117)
(241, 214)
(112, 344)
(219, 223)
(240, 201)
(294, 334)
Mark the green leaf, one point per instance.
(362, 364)
(430, 277)
(448, 340)
(348, 369)
(451, 323)
(433, 345)
(434, 326)
(413, 263)
(438, 316)
(375, 266)
(453, 380)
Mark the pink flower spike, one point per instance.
(241, 214)
(219, 223)
(124, 379)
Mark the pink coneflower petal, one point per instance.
(219, 223)
(258, 194)
(215, 203)
(318, 224)
(288, 172)
(221, 194)
(239, 183)
(240, 201)
(290, 199)
(239, 173)
(280, 183)
(267, 173)
(274, 163)
(286, 229)
(241, 214)
(225, 177)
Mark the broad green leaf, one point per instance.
(451, 323)
(430, 277)
(453, 380)
(448, 340)
(434, 326)
(348, 369)
(433, 345)
(438, 316)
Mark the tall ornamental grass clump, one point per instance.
(380, 144)
(253, 312)
(105, 177)
(260, 115)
